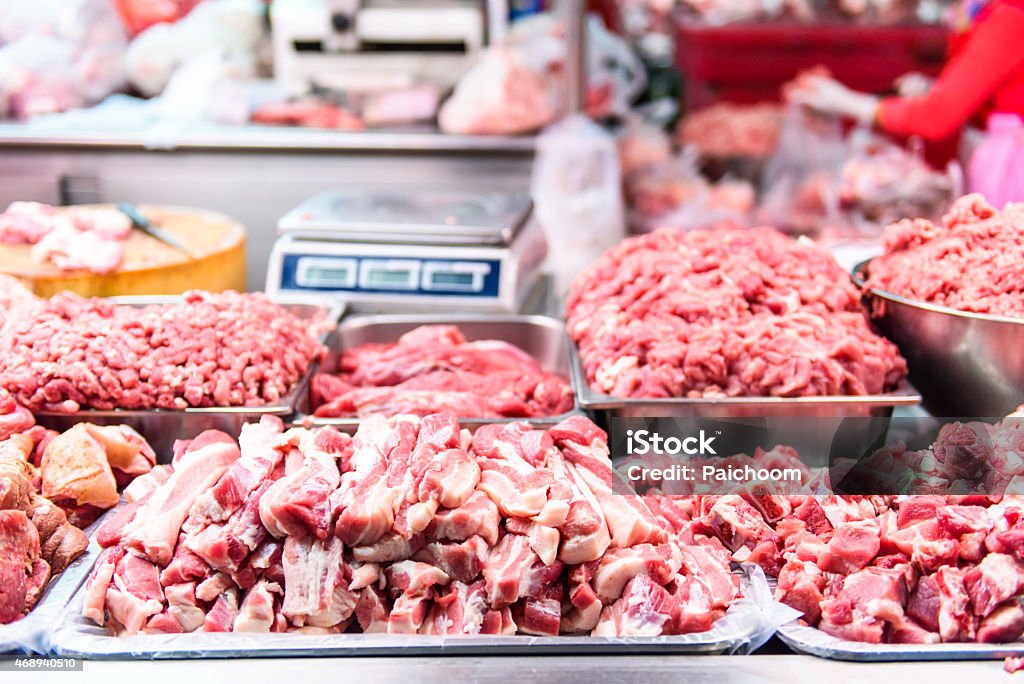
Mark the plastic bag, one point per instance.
(518, 86)
(231, 30)
(799, 183)
(576, 192)
(58, 55)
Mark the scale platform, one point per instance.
(411, 250)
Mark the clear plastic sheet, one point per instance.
(812, 641)
(31, 633)
(746, 626)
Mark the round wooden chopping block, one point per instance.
(150, 267)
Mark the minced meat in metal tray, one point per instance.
(603, 406)
(161, 427)
(542, 337)
(745, 626)
(812, 641)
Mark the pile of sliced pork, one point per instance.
(412, 526)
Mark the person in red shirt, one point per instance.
(983, 79)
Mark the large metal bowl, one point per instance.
(964, 364)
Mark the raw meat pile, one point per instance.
(971, 261)
(725, 312)
(885, 183)
(662, 188)
(50, 486)
(733, 130)
(965, 459)
(412, 526)
(918, 569)
(434, 369)
(309, 113)
(225, 349)
(75, 238)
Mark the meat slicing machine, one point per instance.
(407, 250)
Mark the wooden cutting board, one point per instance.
(150, 267)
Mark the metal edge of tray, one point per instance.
(812, 641)
(75, 637)
(36, 627)
(857, 274)
(590, 400)
(285, 406)
(307, 419)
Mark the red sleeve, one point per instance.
(993, 53)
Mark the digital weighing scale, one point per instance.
(412, 250)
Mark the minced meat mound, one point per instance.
(972, 262)
(725, 312)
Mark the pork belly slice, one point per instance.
(222, 615)
(645, 609)
(458, 609)
(372, 610)
(102, 574)
(183, 606)
(155, 528)
(364, 502)
(225, 546)
(299, 503)
(144, 485)
(584, 535)
(390, 548)
(508, 567)
(542, 615)
(585, 610)
(619, 566)
(257, 613)
(316, 583)
(134, 593)
(413, 586)
(478, 516)
(544, 540)
(259, 456)
(461, 561)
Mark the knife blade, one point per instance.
(147, 227)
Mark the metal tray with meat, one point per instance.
(603, 406)
(747, 624)
(161, 427)
(540, 337)
(31, 633)
(812, 641)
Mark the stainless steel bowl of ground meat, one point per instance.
(951, 296)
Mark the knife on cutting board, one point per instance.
(147, 227)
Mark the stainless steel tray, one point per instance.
(603, 406)
(542, 337)
(744, 627)
(812, 641)
(31, 633)
(161, 427)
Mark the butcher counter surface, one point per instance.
(769, 669)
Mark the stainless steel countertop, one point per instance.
(210, 137)
(783, 669)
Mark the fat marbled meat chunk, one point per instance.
(725, 313)
(971, 261)
(226, 349)
(435, 369)
(400, 530)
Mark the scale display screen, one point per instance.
(389, 274)
(459, 280)
(402, 276)
(327, 273)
